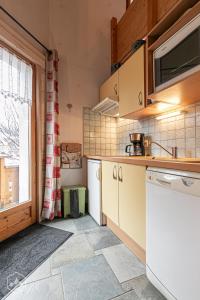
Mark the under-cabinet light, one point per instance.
(161, 106)
(168, 115)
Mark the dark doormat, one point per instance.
(24, 252)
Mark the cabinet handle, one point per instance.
(98, 174)
(120, 178)
(115, 89)
(140, 100)
(115, 173)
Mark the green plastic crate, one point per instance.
(66, 199)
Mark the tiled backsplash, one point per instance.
(100, 134)
(109, 136)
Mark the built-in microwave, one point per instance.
(178, 57)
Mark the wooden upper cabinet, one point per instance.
(109, 88)
(131, 84)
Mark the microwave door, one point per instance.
(157, 73)
(182, 60)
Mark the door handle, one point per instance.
(187, 182)
(98, 174)
(140, 100)
(163, 182)
(115, 89)
(127, 149)
(120, 177)
(114, 172)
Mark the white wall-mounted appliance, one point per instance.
(173, 233)
(178, 57)
(108, 107)
(94, 190)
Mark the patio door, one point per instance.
(17, 143)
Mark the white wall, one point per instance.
(33, 14)
(80, 30)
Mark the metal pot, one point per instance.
(136, 137)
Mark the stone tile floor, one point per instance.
(92, 265)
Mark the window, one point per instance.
(15, 129)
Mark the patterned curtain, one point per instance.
(52, 195)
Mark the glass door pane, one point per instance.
(15, 129)
(15, 121)
(179, 60)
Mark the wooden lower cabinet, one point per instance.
(123, 198)
(110, 190)
(132, 202)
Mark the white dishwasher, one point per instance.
(94, 190)
(173, 233)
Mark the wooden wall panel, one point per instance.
(132, 26)
(113, 29)
(40, 136)
(163, 6)
(141, 17)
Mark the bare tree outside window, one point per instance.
(15, 129)
(9, 128)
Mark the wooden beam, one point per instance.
(152, 13)
(113, 40)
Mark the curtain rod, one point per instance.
(26, 30)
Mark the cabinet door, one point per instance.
(110, 88)
(132, 202)
(131, 84)
(110, 190)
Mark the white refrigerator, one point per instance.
(94, 190)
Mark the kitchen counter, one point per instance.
(183, 164)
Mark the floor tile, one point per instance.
(123, 262)
(85, 223)
(43, 271)
(102, 238)
(143, 288)
(64, 224)
(90, 279)
(131, 295)
(45, 289)
(76, 248)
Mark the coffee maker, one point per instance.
(136, 148)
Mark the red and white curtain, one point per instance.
(52, 195)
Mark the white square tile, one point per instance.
(180, 124)
(190, 152)
(198, 132)
(198, 120)
(190, 143)
(190, 132)
(190, 122)
(180, 143)
(180, 133)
